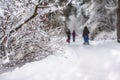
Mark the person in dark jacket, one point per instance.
(73, 35)
(86, 35)
(68, 35)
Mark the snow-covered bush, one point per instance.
(106, 36)
(26, 27)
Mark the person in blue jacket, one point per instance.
(86, 35)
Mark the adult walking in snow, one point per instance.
(86, 35)
(68, 35)
(73, 35)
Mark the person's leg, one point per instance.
(86, 40)
(68, 39)
(73, 38)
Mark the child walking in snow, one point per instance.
(68, 35)
(73, 35)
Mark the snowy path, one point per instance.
(98, 61)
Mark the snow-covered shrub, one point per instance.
(27, 29)
(106, 36)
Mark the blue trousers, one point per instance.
(86, 39)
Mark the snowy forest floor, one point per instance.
(98, 61)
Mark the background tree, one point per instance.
(118, 22)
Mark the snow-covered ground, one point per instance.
(98, 61)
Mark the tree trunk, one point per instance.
(118, 22)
